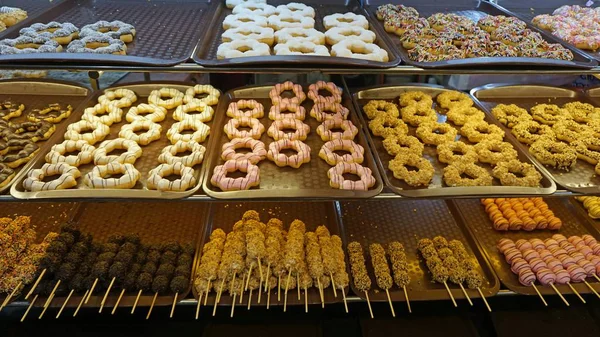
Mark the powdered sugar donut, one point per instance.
(242, 48)
(233, 3)
(254, 8)
(299, 47)
(237, 20)
(232, 131)
(346, 19)
(354, 48)
(249, 31)
(157, 180)
(245, 108)
(169, 155)
(287, 110)
(302, 155)
(290, 20)
(225, 183)
(278, 127)
(257, 153)
(341, 33)
(63, 33)
(291, 34)
(98, 44)
(296, 8)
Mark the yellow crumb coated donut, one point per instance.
(466, 174)
(375, 108)
(515, 173)
(453, 99)
(396, 144)
(451, 152)
(552, 153)
(510, 114)
(420, 177)
(434, 133)
(549, 113)
(581, 112)
(461, 115)
(386, 125)
(478, 131)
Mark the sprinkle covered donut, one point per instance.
(278, 128)
(85, 153)
(257, 153)
(99, 176)
(466, 174)
(515, 173)
(337, 180)
(232, 128)
(225, 183)
(478, 131)
(421, 177)
(245, 108)
(327, 133)
(67, 179)
(169, 155)
(157, 180)
(29, 44)
(302, 155)
(355, 152)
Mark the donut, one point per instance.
(132, 152)
(588, 149)
(278, 129)
(300, 47)
(355, 152)
(453, 99)
(515, 173)
(461, 115)
(374, 108)
(157, 180)
(10, 16)
(476, 175)
(63, 33)
(128, 131)
(308, 34)
(396, 144)
(530, 131)
(355, 48)
(103, 114)
(225, 183)
(169, 154)
(53, 113)
(261, 9)
(233, 3)
(232, 128)
(183, 112)
(257, 153)
(555, 154)
(386, 125)
(290, 20)
(549, 114)
(422, 174)
(494, 151)
(327, 130)
(115, 29)
(6, 175)
(296, 8)
(455, 151)
(245, 109)
(100, 176)
(34, 131)
(29, 44)
(419, 98)
(344, 20)
(334, 93)
(510, 114)
(570, 131)
(242, 48)
(67, 179)
(20, 152)
(417, 114)
(324, 111)
(338, 34)
(581, 112)
(98, 44)
(211, 98)
(526, 277)
(123, 98)
(478, 131)
(434, 133)
(237, 20)
(337, 180)
(249, 31)
(175, 98)
(57, 154)
(287, 110)
(146, 112)
(10, 110)
(201, 131)
(302, 155)
(280, 88)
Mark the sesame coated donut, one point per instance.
(77, 131)
(324, 111)
(278, 128)
(169, 154)
(570, 131)
(344, 20)
(453, 99)
(374, 108)
(157, 180)
(105, 114)
(201, 131)
(338, 34)
(461, 115)
(245, 108)
(337, 180)
(58, 153)
(101, 176)
(530, 131)
(581, 112)
(418, 113)
(175, 98)
(302, 155)
(588, 149)
(67, 179)
(420, 177)
(148, 112)
(63, 33)
(327, 130)
(287, 110)
(510, 114)
(549, 114)
(257, 153)
(335, 94)
(115, 29)
(280, 88)
(355, 152)
(211, 98)
(476, 175)
(450, 152)
(478, 131)
(132, 152)
(288, 34)
(386, 125)
(434, 133)
(553, 153)
(123, 98)
(128, 131)
(494, 151)
(29, 44)
(396, 144)
(232, 128)
(225, 183)
(185, 111)
(515, 173)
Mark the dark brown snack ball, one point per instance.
(473, 279)
(88, 282)
(144, 282)
(106, 257)
(168, 257)
(172, 247)
(133, 238)
(129, 282)
(153, 256)
(184, 260)
(188, 248)
(117, 270)
(66, 271)
(157, 247)
(129, 247)
(124, 257)
(97, 247)
(117, 239)
(57, 247)
(85, 269)
(80, 248)
(86, 239)
(165, 269)
(51, 262)
(67, 238)
(135, 268)
(179, 284)
(140, 257)
(73, 258)
(100, 269)
(149, 267)
(110, 248)
(90, 258)
(70, 227)
(76, 282)
(160, 284)
(183, 271)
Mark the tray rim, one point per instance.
(459, 191)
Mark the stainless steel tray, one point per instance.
(436, 188)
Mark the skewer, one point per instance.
(220, 290)
(207, 291)
(305, 301)
(46, 307)
(151, 306)
(268, 275)
(321, 293)
(242, 295)
(333, 285)
(173, 306)
(259, 290)
(575, 291)
(250, 299)
(587, 284)
(539, 294)
(5, 302)
(118, 301)
(233, 305)
(559, 294)
(595, 276)
(390, 302)
(407, 300)
(287, 284)
(106, 294)
(485, 300)
(248, 277)
(268, 294)
(49, 299)
(450, 293)
(29, 308)
(62, 307)
(466, 295)
(136, 301)
(35, 284)
(91, 291)
(369, 304)
(298, 284)
(345, 302)
(81, 302)
(260, 270)
(279, 288)
(218, 298)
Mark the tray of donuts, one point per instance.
(332, 32)
(469, 33)
(431, 141)
(557, 126)
(274, 141)
(140, 140)
(535, 245)
(31, 112)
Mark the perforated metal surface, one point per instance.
(313, 214)
(437, 187)
(477, 219)
(166, 31)
(206, 51)
(308, 181)
(474, 10)
(408, 221)
(581, 178)
(144, 164)
(33, 7)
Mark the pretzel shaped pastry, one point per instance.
(212, 94)
(98, 177)
(232, 128)
(84, 156)
(183, 112)
(296, 160)
(355, 155)
(68, 177)
(257, 153)
(220, 179)
(175, 98)
(128, 131)
(325, 130)
(201, 131)
(337, 180)
(157, 180)
(239, 109)
(98, 132)
(10, 110)
(132, 153)
(325, 111)
(22, 150)
(287, 110)
(313, 92)
(123, 98)
(169, 154)
(6, 175)
(107, 114)
(278, 127)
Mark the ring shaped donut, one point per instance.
(339, 34)
(280, 88)
(211, 98)
(451, 152)
(302, 155)
(97, 131)
(495, 151)
(396, 144)
(478, 131)
(257, 153)
(324, 111)
(128, 131)
(169, 154)
(460, 116)
(157, 180)
(466, 174)
(278, 128)
(434, 133)
(132, 152)
(148, 112)
(335, 94)
(67, 179)
(201, 131)
(107, 114)
(232, 128)
(553, 153)
(225, 183)
(355, 152)
(327, 130)
(337, 180)
(183, 112)
(453, 99)
(245, 108)
(529, 131)
(85, 153)
(344, 20)
(375, 108)
(287, 110)
(419, 177)
(175, 98)
(100, 178)
(515, 173)
(387, 125)
(549, 114)
(123, 98)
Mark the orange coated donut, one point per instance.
(313, 92)
(278, 89)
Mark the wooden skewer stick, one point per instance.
(369, 304)
(390, 302)
(591, 288)
(242, 294)
(233, 305)
(466, 295)
(207, 291)
(91, 291)
(198, 305)
(152, 305)
(345, 302)
(250, 299)
(268, 294)
(220, 291)
(484, 300)
(35, 284)
(136, 301)
(218, 298)
(46, 307)
(298, 284)
(62, 307)
(7, 299)
(575, 291)
(106, 294)
(321, 293)
(81, 302)
(407, 300)
(279, 288)
(450, 293)
(539, 294)
(173, 306)
(49, 299)
(259, 290)
(333, 285)
(29, 308)
(248, 277)
(268, 275)
(260, 270)
(559, 294)
(287, 284)
(595, 276)
(118, 301)
(305, 300)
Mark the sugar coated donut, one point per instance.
(355, 152)
(157, 180)
(510, 115)
(287, 110)
(99, 177)
(245, 108)
(327, 129)
(280, 88)
(494, 151)
(53, 113)
(297, 8)
(290, 20)
(420, 177)
(249, 31)
(434, 133)
(237, 20)
(478, 131)
(175, 98)
(67, 179)
(146, 112)
(555, 154)
(300, 47)
(324, 111)
(344, 20)
(98, 132)
(211, 98)
(466, 174)
(232, 128)
(123, 98)
(233, 3)
(255, 8)
(374, 108)
(85, 153)
(201, 131)
(450, 152)
(115, 29)
(355, 48)
(338, 34)
(105, 114)
(132, 152)
(98, 44)
(242, 48)
(257, 153)
(302, 155)
(128, 131)
(169, 155)
(515, 173)
(183, 112)
(334, 96)
(396, 144)
(63, 33)
(278, 129)
(337, 180)
(225, 183)
(308, 34)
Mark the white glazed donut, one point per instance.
(128, 131)
(146, 112)
(354, 48)
(68, 177)
(76, 130)
(132, 152)
(236, 20)
(169, 153)
(249, 31)
(106, 114)
(99, 176)
(242, 48)
(175, 98)
(346, 19)
(123, 98)
(254, 8)
(298, 47)
(233, 3)
(157, 180)
(84, 156)
(212, 97)
(290, 20)
(290, 34)
(200, 129)
(296, 8)
(338, 34)
(183, 112)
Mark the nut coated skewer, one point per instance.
(362, 281)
